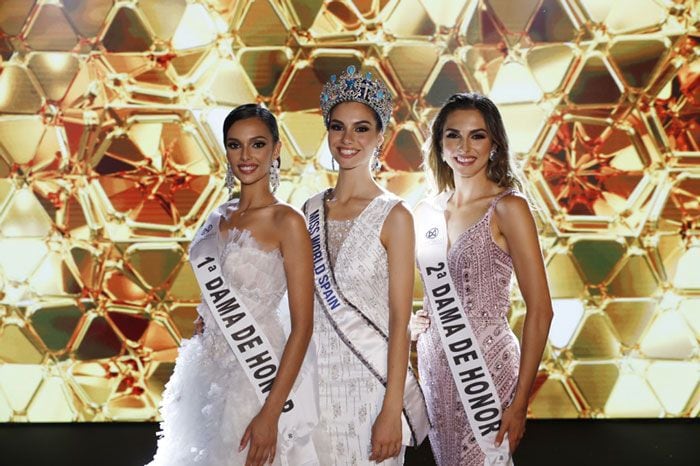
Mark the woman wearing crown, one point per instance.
(363, 256)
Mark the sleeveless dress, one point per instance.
(350, 395)
(482, 273)
(208, 402)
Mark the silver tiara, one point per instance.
(356, 87)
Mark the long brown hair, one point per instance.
(498, 170)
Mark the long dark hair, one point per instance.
(498, 170)
(243, 112)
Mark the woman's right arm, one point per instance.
(198, 326)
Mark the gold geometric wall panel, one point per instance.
(110, 115)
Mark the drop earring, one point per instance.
(275, 175)
(376, 162)
(229, 181)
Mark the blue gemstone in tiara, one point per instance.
(352, 86)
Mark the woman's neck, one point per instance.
(468, 189)
(255, 196)
(355, 183)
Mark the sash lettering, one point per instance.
(243, 334)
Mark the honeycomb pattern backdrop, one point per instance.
(110, 114)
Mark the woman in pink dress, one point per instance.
(488, 232)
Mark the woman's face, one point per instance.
(353, 134)
(251, 150)
(466, 143)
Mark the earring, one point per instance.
(492, 154)
(229, 181)
(275, 175)
(376, 162)
(333, 164)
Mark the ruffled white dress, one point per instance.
(208, 402)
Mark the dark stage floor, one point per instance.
(568, 443)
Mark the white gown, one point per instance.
(208, 402)
(350, 395)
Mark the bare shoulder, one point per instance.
(400, 212)
(289, 217)
(512, 210)
(399, 218)
(512, 206)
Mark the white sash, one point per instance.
(357, 331)
(252, 348)
(476, 388)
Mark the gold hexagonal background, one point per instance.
(110, 156)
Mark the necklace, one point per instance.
(242, 212)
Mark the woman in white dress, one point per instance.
(363, 251)
(243, 391)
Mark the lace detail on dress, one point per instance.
(362, 270)
(482, 275)
(337, 232)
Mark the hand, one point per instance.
(512, 422)
(386, 436)
(419, 324)
(199, 325)
(261, 433)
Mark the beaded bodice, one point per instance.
(360, 265)
(481, 270)
(337, 232)
(359, 259)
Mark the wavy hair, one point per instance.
(499, 170)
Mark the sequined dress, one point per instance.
(350, 396)
(482, 273)
(208, 402)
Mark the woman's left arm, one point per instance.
(398, 240)
(295, 246)
(515, 222)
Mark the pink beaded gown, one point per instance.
(482, 273)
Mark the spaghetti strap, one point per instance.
(501, 195)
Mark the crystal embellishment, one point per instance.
(353, 86)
